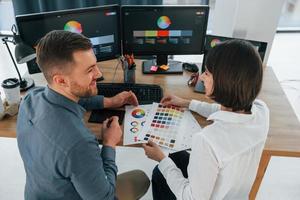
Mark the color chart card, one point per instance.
(135, 119)
(189, 127)
(169, 126)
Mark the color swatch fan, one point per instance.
(135, 118)
(171, 127)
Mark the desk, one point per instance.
(284, 135)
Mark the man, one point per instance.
(61, 156)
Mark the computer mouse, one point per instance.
(190, 67)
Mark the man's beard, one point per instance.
(82, 92)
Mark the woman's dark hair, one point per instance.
(237, 73)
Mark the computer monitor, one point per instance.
(213, 40)
(100, 24)
(163, 31)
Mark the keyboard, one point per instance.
(145, 93)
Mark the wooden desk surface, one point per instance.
(284, 135)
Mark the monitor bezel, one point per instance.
(142, 53)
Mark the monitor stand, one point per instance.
(175, 67)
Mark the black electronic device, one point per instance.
(212, 40)
(162, 31)
(145, 93)
(100, 24)
(191, 67)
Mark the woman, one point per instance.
(225, 154)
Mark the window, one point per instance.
(290, 16)
(7, 14)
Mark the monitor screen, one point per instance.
(163, 30)
(99, 24)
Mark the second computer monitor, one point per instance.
(212, 40)
(163, 31)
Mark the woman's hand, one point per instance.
(153, 151)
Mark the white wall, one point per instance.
(6, 15)
(247, 19)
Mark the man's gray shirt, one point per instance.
(61, 156)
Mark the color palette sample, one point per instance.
(73, 26)
(171, 127)
(135, 118)
(163, 33)
(214, 42)
(162, 37)
(138, 113)
(163, 125)
(163, 22)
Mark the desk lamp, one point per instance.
(23, 54)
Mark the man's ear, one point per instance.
(60, 80)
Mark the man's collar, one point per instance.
(63, 101)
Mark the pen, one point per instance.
(109, 122)
(132, 63)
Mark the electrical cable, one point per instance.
(116, 67)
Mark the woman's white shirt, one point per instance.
(225, 155)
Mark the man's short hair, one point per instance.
(237, 74)
(55, 51)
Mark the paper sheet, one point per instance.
(135, 119)
(170, 127)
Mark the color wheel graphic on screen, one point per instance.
(163, 22)
(138, 113)
(73, 26)
(214, 42)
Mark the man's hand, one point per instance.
(121, 99)
(111, 132)
(153, 151)
(170, 100)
